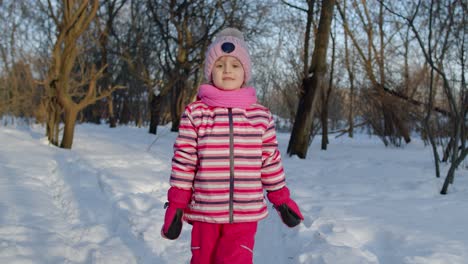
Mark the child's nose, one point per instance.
(227, 68)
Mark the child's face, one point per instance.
(228, 73)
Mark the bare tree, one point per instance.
(326, 92)
(381, 105)
(312, 84)
(67, 93)
(350, 70)
(105, 20)
(143, 50)
(310, 10)
(17, 85)
(184, 35)
(445, 37)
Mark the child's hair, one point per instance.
(228, 42)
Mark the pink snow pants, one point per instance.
(223, 243)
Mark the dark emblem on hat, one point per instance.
(228, 47)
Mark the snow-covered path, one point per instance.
(102, 202)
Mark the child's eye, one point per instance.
(218, 65)
(236, 65)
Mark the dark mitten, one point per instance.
(286, 207)
(178, 201)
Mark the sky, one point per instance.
(102, 202)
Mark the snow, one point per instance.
(102, 202)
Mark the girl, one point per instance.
(225, 156)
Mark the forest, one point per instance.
(393, 69)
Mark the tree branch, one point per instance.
(294, 6)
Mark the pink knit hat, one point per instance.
(228, 42)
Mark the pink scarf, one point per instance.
(212, 96)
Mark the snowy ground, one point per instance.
(102, 202)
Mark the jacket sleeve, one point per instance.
(185, 159)
(272, 171)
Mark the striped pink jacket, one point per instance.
(229, 156)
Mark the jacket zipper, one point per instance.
(231, 166)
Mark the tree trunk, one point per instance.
(69, 128)
(350, 71)
(451, 172)
(326, 95)
(110, 110)
(155, 111)
(125, 113)
(177, 96)
(310, 18)
(300, 135)
(53, 121)
(324, 119)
